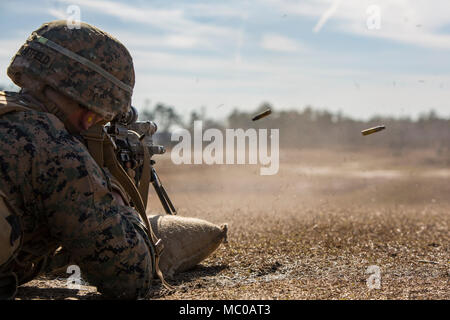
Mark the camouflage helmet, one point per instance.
(85, 64)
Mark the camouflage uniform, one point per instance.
(64, 201)
(64, 197)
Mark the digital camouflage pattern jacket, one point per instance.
(64, 199)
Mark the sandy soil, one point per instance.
(312, 230)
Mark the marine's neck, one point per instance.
(40, 102)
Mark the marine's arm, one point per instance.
(103, 236)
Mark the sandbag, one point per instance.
(187, 241)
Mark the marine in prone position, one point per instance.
(57, 204)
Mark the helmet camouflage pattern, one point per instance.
(85, 64)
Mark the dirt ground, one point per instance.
(312, 230)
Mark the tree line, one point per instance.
(311, 128)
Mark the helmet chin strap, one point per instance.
(45, 104)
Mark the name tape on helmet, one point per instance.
(84, 61)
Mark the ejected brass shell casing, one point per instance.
(262, 115)
(372, 130)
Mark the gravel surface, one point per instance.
(311, 231)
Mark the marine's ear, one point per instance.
(89, 118)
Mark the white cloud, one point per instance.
(214, 10)
(277, 42)
(181, 41)
(416, 22)
(171, 28)
(58, 14)
(10, 47)
(156, 40)
(327, 15)
(239, 43)
(172, 20)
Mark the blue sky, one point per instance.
(229, 54)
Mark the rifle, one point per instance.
(134, 146)
(125, 147)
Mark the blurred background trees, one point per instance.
(313, 128)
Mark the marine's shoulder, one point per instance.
(17, 108)
(11, 99)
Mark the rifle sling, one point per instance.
(94, 138)
(110, 161)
